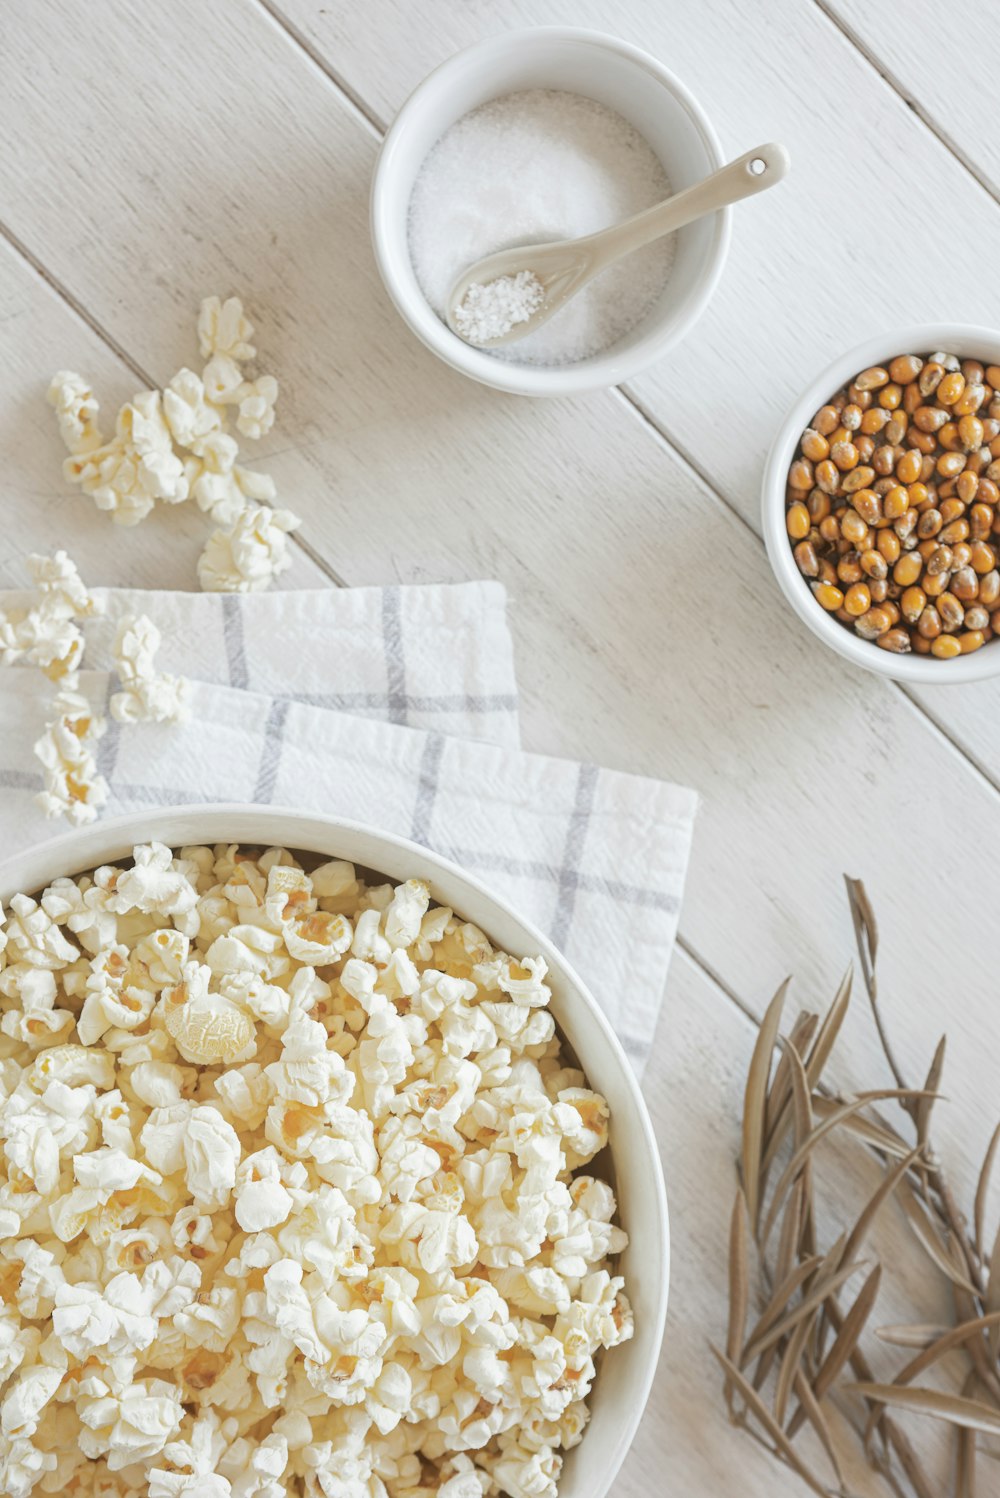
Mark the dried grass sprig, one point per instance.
(788, 1333)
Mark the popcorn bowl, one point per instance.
(623, 1382)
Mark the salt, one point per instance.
(527, 168)
(491, 309)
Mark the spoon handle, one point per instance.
(749, 174)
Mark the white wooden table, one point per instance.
(156, 153)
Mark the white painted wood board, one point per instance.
(649, 633)
(944, 67)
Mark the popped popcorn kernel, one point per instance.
(147, 695)
(223, 329)
(250, 554)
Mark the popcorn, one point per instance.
(169, 446)
(309, 1073)
(159, 1084)
(198, 1141)
(67, 752)
(526, 1474)
(130, 1426)
(47, 635)
(156, 883)
(22, 1404)
(222, 487)
(21, 1466)
(61, 588)
(246, 1092)
(317, 938)
(262, 1198)
(250, 554)
(188, 414)
(406, 911)
(127, 475)
(108, 1002)
(82, 907)
(223, 380)
(148, 695)
(223, 329)
(289, 1191)
(77, 410)
(256, 404)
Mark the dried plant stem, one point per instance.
(866, 937)
(788, 1114)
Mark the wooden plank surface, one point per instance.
(650, 635)
(947, 75)
(814, 260)
(634, 648)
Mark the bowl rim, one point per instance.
(603, 370)
(968, 340)
(70, 853)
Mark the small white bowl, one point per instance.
(615, 74)
(949, 338)
(625, 1377)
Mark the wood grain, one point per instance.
(937, 72)
(228, 157)
(811, 263)
(634, 650)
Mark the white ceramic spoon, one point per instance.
(564, 267)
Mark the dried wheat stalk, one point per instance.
(805, 1346)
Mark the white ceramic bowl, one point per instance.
(615, 74)
(949, 338)
(623, 1382)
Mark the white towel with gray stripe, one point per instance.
(397, 707)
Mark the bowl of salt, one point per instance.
(544, 134)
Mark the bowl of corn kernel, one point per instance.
(881, 505)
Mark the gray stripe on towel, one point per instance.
(235, 641)
(395, 657)
(270, 759)
(576, 837)
(427, 788)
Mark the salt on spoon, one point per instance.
(508, 295)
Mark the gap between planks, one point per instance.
(375, 126)
(893, 82)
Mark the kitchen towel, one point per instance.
(395, 707)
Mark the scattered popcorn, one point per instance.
(67, 752)
(248, 556)
(172, 445)
(189, 415)
(257, 399)
(46, 632)
(60, 585)
(148, 695)
(223, 329)
(294, 1196)
(220, 486)
(137, 467)
(223, 379)
(77, 410)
